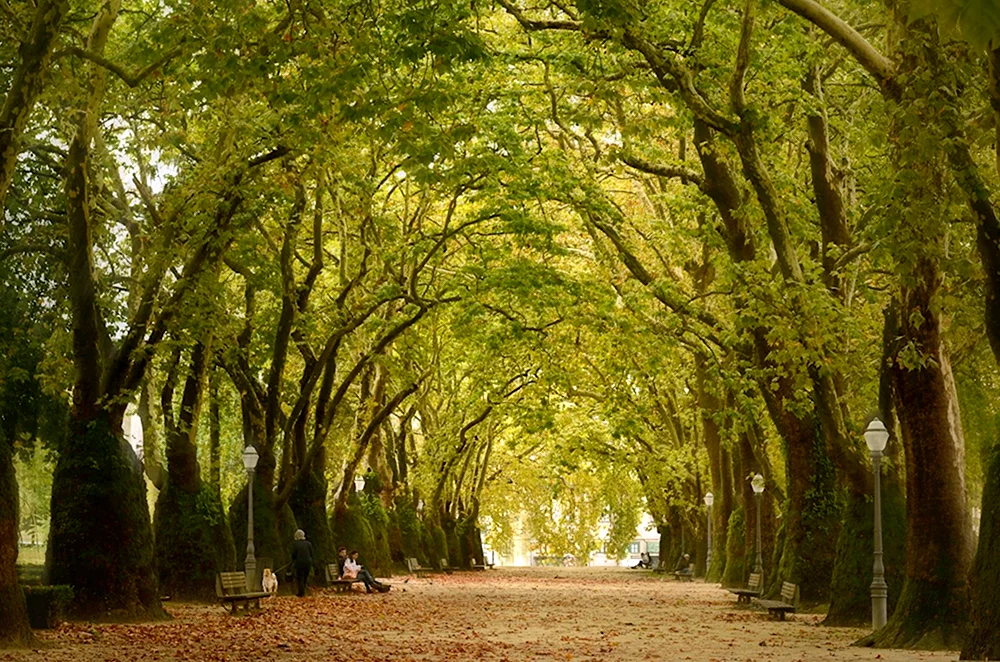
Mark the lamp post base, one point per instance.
(251, 574)
(880, 604)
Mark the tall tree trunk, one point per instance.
(983, 641)
(932, 608)
(14, 629)
(193, 540)
(710, 409)
(811, 518)
(100, 540)
(308, 502)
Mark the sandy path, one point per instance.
(505, 614)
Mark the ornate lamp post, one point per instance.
(758, 488)
(359, 483)
(250, 458)
(709, 500)
(876, 437)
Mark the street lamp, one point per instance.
(359, 483)
(250, 458)
(876, 437)
(709, 500)
(758, 488)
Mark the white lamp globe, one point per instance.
(758, 484)
(876, 436)
(250, 458)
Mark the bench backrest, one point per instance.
(444, 564)
(231, 583)
(332, 572)
(789, 592)
(412, 565)
(754, 582)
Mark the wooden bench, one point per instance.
(685, 576)
(336, 583)
(231, 587)
(751, 591)
(789, 598)
(481, 566)
(415, 568)
(445, 568)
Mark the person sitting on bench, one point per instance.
(354, 570)
(644, 561)
(683, 568)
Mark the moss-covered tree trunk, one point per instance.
(983, 641)
(850, 589)
(193, 540)
(932, 609)
(738, 564)
(101, 540)
(850, 594)
(750, 463)
(308, 503)
(811, 518)
(14, 629)
(710, 409)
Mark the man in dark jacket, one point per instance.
(302, 561)
(341, 558)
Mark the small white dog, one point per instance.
(270, 582)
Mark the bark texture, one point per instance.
(983, 642)
(14, 629)
(932, 608)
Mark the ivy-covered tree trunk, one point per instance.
(811, 517)
(101, 540)
(932, 609)
(710, 408)
(14, 629)
(308, 503)
(193, 540)
(850, 589)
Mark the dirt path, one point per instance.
(505, 614)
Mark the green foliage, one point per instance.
(976, 21)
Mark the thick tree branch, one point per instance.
(869, 57)
(130, 79)
(663, 170)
